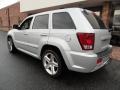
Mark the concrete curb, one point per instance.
(4, 30)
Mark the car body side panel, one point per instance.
(66, 40)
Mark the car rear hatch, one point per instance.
(102, 34)
(102, 40)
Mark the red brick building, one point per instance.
(11, 15)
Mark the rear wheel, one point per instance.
(52, 63)
(11, 46)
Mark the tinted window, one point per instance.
(62, 21)
(26, 24)
(94, 20)
(41, 22)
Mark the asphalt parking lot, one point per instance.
(23, 72)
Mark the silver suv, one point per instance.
(71, 38)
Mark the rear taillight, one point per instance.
(86, 40)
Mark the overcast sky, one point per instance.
(4, 3)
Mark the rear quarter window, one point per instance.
(62, 20)
(94, 20)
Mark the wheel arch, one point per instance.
(58, 50)
(9, 36)
(47, 46)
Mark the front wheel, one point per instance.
(11, 45)
(52, 63)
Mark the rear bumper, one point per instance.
(100, 66)
(86, 62)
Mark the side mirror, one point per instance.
(15, 26)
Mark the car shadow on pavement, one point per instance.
(68, 75)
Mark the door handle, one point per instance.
(44, 34)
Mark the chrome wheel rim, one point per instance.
(50, 63)
(10, 45)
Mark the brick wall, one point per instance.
(11, 15)
(3, 17)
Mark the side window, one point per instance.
(62, 20)
(41, 22)
(26, 24)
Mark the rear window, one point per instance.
(94, 20)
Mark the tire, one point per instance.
(11, 46)
(52, 63)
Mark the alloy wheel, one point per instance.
(10, 44)
(50, 63)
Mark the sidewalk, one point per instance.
(4, 29)
(115, 55)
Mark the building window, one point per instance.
(116, 20)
